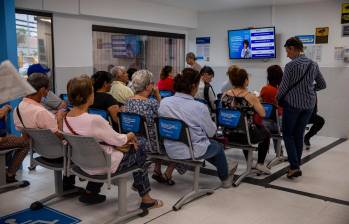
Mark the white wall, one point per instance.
(132, 10)
(73, 43)
(289, 21)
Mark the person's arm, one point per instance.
(212, 97)
(257, 106)
(206, 122)
(4, 111)
(319, 79)
(113, 111)
(285, 82)
(157, 94)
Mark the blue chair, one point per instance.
(64, 97)
(165, 93)
(271, 116)
(177, 130)
(102, 113)
(236, 120)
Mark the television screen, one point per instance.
(252, 43)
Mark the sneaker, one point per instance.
(232, 167)
(228, 182)
(263, 169)
(91, 198)
(307, 143)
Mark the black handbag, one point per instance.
(281, 101)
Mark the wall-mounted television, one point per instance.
(254, 43)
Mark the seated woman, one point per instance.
(166, 79)
(239, 97)
(268, 95)
(10, 142)
(143, 86)
(103, 100)
(78, 121)
(182, 106)
(269, 91)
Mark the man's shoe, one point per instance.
(91, 198)
(307, 143)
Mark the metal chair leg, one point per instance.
(195, 193)
(123, 213)
(248, 170)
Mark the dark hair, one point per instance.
(38, 80)
(274, 75)
(208, 70)
(246, 42)
(99, 78)
(165, 71)
(294, 42)
(79, 89)
(183, 82)
(130, 72)
(238, 77)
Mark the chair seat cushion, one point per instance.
(101, 177)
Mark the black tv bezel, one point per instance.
(252, 58)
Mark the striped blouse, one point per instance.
(303, 95)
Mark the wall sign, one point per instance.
(345, 13)
(306, 39)
(203, 48)
(322, 35)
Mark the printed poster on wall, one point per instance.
(203, 48)
(306, 39)
(322, 35)
(345, 13)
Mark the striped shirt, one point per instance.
(303, 95)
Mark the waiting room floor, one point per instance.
(320, 196)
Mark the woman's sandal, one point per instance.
(158, 177)
(155, 204)
(168, 180)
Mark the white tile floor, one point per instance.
(324, 175)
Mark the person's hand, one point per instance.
(62, 105)
(132, 139)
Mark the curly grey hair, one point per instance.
(140, 80)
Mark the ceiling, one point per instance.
(216, 5)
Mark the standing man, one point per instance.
(119, 90)
(191, 61)
(297, 93)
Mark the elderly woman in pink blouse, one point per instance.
(78, 121)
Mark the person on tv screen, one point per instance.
(246, 51)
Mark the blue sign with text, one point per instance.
(306, 39)
(43, 216)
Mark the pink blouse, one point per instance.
(95, 126)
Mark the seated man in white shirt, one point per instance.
(51, 102)
(34, 115)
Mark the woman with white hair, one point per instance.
(143, 86)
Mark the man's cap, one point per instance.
(37, 68)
